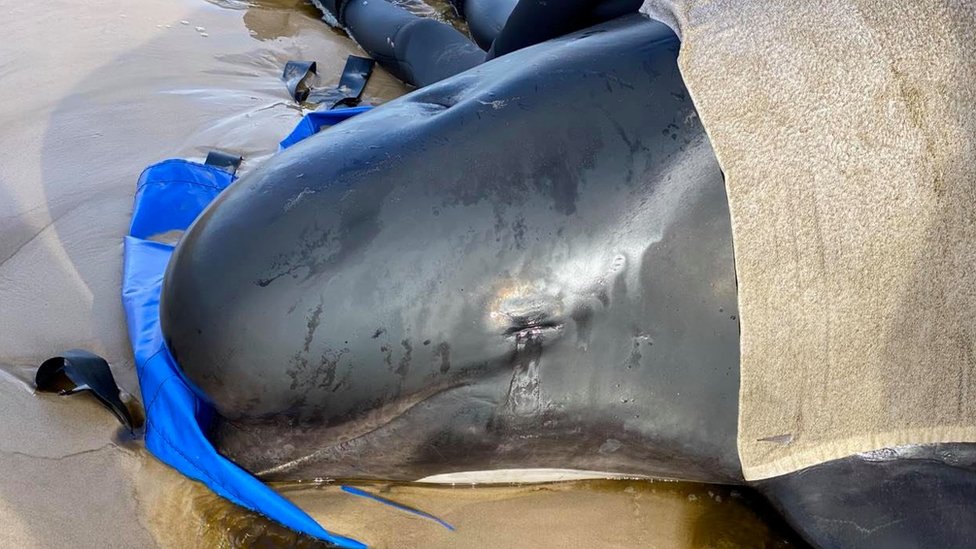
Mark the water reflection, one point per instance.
(270, 19)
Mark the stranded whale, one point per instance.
(526, 265)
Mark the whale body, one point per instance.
(526, 265)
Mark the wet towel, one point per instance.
(847, 133)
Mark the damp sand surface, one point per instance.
(92, 92)
(569, 514)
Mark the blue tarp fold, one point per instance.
(314, 121)
(169, 196)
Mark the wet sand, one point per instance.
(92, 93)
(572, 514)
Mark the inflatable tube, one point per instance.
(525, 265)
(485, 18)
(417, 50)
(422, 51)
(533, 21)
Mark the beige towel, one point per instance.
(847, 133)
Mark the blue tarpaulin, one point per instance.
(169, 196)
(314, 121)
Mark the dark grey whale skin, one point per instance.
(905, 497)
(528, 264)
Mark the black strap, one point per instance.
(347, 93)
(224, 161)
(84, 371)
(295, 75)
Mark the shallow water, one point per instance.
(584, 513)
(92, 93)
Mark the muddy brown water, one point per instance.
(583, 513)
(92, 93)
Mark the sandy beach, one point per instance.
(93, 93)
